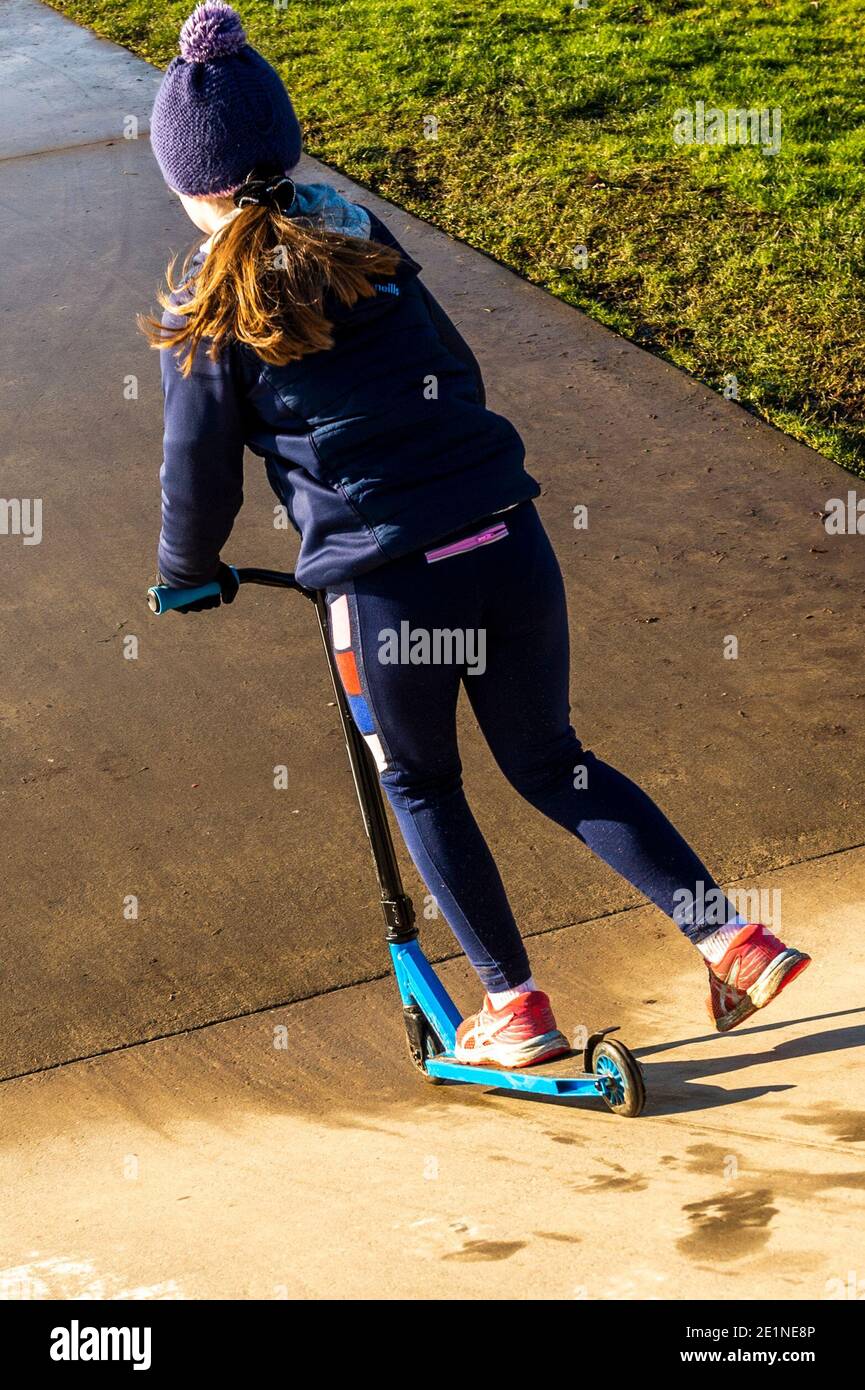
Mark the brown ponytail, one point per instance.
(264, 284)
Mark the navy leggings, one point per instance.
(492, 617)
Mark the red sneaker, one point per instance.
(755, 967)
(519, 1034)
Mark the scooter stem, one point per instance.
(395, 902)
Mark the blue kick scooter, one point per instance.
(609, 1071)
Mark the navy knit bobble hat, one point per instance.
(221, 109)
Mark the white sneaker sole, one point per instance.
(775, 975)
(513, 1055)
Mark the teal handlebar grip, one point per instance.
(161, 597)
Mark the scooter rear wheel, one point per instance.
(624, 1088)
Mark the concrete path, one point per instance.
(294, 1154)
(152, 778)
(61, 86)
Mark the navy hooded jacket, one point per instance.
(377, 447)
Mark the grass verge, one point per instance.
(553, 129)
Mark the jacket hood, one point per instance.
(321, 203)
(324, 206)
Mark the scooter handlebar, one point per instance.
(162, 597)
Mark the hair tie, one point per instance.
(274, 191)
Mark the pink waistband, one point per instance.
(485, 537)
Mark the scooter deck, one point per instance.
(561, 1076)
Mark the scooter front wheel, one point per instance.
(422, 1043)
(618, 1069)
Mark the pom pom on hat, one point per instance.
(213, 30)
